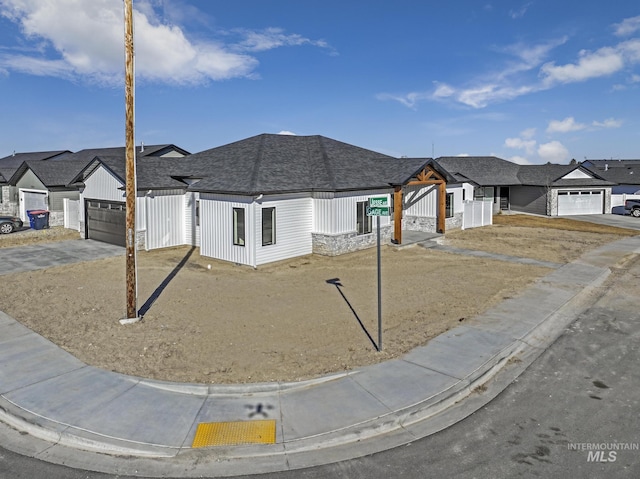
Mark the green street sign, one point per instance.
(378, 211)
(379, 201)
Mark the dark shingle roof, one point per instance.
(50, 173)
(622, 172)
(149, 150)
(151, 172)
(284, 163)
(552, 175)
(9, 164)
(481, 170)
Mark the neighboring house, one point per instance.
(626, 175)
(43, 185)
(41, 180)
(265, 198)
(552, 190)
(9, 199)
(156, 151)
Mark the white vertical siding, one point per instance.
(420, 200)
(164, 213)
(294, 222)
(191, 228)
(102, 185)
(336, 213)
(216, 228)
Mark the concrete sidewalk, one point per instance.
(73, 411)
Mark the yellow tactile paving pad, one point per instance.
(235, 433)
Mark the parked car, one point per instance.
(633, 206)
(8, 224)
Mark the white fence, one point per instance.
(618, 200)
(71, 214)
(477, 213)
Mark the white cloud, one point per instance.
(627, 27)
(602, 62)
(519, 13)
(520, 144)
(85, 39)
(565, 126)
(528, 133)
(554, 151)
(286, 132)
(608, 123)
(270, 38)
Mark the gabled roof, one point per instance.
(270, 163)
(9, 164)
(151, 173)
(50, 173)
(553, 175)
(481, 170)
(146, 151)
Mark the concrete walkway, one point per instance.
(83, 416)
(48, 255)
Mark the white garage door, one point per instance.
(580, 202)
(32, 200)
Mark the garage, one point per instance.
(106, 221)
(580, 202)
(32, 200)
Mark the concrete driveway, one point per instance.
(47, 255)
(610, 220)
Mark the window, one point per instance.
(268, 226)
(449, 206)
(238, 226)
(363, 221)
(197, 212)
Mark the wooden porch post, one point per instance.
(442, 206)
(397, 215)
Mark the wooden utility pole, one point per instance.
(130, 156)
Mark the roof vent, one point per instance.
(141, 146)
(606, 167)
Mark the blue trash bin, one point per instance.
(38, 219)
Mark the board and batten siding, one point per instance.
(335, 213)
(294, 221)
(102, 185)
(163, 215)
(216, 228)
(191, 226)
(420, 201)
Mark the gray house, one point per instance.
(43, 185)
(552, 190)
(9, 204)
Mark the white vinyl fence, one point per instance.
(618, 200)
(71, 214)
(477, 213)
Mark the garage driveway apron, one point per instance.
(48, 255)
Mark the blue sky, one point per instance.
(529, 81)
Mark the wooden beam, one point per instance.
(442, 207)
(397, 215)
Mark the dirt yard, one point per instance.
(212, 322)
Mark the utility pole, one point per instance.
(130, 173)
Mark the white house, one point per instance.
(267, 198)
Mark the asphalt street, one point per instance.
(560, 418)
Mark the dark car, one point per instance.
(8, 224)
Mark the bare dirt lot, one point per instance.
(233, 324)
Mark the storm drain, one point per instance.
(235, 433)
